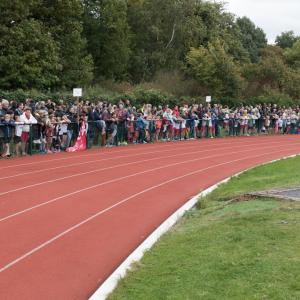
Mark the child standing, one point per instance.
(226, 123)
(204, 126)
(280, 125)
(231, 123)
(64, 131)
(8, 125)
(18, 134)
(158, 125)
(210, 125)
(130, 129)
(140, 125)
(49, 128)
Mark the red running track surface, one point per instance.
(68, 221)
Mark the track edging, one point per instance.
(111, 282)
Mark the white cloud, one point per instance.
(273, 16)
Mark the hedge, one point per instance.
(139, 96)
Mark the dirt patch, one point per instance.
(291, 194)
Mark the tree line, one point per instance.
(60, 44)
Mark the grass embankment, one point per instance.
(227, 250)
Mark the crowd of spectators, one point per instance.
(53, 127)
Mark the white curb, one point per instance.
(111, 282)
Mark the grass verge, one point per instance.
(227, 250)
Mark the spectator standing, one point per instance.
(7, 127)
(140, 125)
(18, 133)
(28, 120)
(121, 114)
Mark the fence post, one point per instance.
(117, 136)
(220, 128)
(180, 131)
(30, 140)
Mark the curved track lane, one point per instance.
(70, 220)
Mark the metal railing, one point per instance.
(113, 133)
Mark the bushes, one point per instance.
(21, 95)
(139, 95)
(155, 97)
(277, 98)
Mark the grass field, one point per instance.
(227, 249)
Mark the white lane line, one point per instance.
(108, 286)
(116, 166)
(89, 162)
(43, 245)
(116, 180)
(110, 158)
(162, 146)
(98, 170)
(124, 150)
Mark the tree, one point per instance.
(293, 55)
(286, 39)
(107, 32)
(271, 73)
(215, 70)
(253, 38)
(155, 27)
(163, 32)
(29, 56)
(63, 19)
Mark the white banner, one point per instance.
(77, 92)
(208, 98)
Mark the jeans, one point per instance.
(141, 135)
(69, 137)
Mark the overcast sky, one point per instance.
(273, 16)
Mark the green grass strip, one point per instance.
(227, 250)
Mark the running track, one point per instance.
(67, 221)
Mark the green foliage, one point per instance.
(179, 48)
(286, 39)
(175, 83)
(20, 95)
(156, 28)
(271, 68)
(227, 250)
(155, 97)
(164, 32)
(63, 20)
(293, 55)
(252, 37)
(272, 75)
(28, 55)
(215, 69)
(107, 32)
(42, 46)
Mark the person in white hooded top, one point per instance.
(27, 119)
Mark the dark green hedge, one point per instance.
(140, 96)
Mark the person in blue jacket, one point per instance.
(140, 126)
